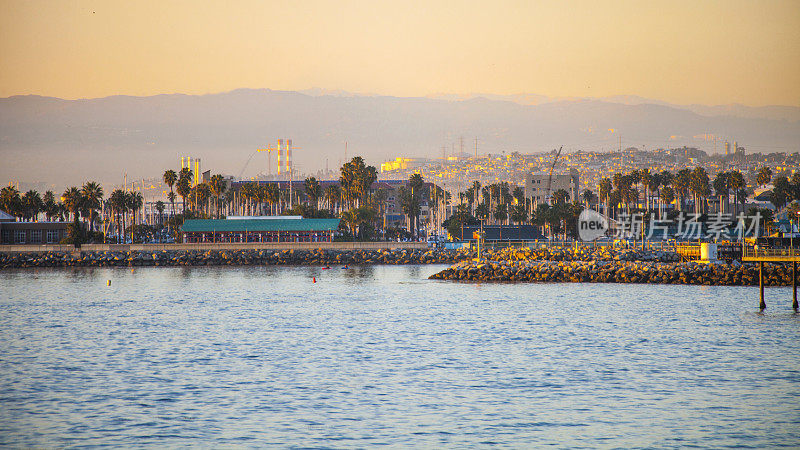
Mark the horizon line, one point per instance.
(325, 92)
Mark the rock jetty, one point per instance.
(230, 258)
(610, 266)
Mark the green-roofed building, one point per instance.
(259, 229)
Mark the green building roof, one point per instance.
(241, 225)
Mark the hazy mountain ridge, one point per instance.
(45, 138)
(774, 112)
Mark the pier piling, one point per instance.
(794, 285)
(761, 304)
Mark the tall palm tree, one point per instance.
(134, 202)
(184, 186)
(332, 197)
(93, 195)
(699, 185)
(736, 183)
(217, 185)
(170, 178)
(160, 209)
(118, 202)
(722, 188)
(604, 191)
(50, 205)
(313, 191)
(381, 198)
(681, 185)
(476, 186)
(273, 196)
(72, 200)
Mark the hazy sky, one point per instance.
(680, 51)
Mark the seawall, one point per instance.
(228, 257)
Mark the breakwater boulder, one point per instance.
(580, 253)
(616, 271)
(231, 257)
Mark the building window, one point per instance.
(7, 236)
(52, 236)
(19, 236)
(36, 237)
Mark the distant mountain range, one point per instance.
(69, 141)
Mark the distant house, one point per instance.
(13, 232)
(259, 229)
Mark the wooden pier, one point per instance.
(779, 255)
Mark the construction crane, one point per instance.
(269, 151)
(550, 178)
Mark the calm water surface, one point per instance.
(262, 356)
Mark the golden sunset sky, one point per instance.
(711, 52)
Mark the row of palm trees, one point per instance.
(353, 199)
(622, 191)
(500, 203)
(84, 202)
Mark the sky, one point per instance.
(706, 52)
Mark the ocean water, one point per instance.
(265, 356)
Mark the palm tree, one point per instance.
(10, 201)
(355, 180)
(737, 184)
(699, 185)
(332, 196)
(72, 200)
(667, 195)
(184, 185)
(381, 198)
(721, 188)
(764, 176)
(160, 209)
(681, 185)
(118, 200)
(410, 203)
(350, 218)
(134, 202)
(32, 204)
(500, 212)
(560, 196)
(476, 188)
(217, 185)
(93, 195)
(604, 191)
(273, 196)
(587, 196)
(645, 178)
(519, 214)
(654, 185)
(313, 191)
(50, 206)
(170, 178)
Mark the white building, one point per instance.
(539, 186)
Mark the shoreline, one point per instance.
(241, 257)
